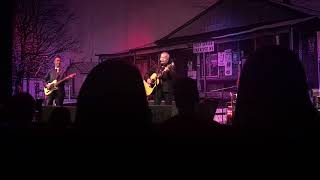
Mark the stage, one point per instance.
(160, 113)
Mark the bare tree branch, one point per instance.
(41, 33)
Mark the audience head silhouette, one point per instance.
(113, 99)
(21, 110)
(207, 109)
(186, 95)
(273, 92)
(60, 117)
(186, 123)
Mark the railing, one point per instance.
(222, 90)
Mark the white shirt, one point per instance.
(57, 69)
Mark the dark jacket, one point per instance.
(167, 78)
(53, 75)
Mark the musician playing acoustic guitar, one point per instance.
(164, 75)
(55, 79)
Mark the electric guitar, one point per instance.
(155, 80)
(52, 86)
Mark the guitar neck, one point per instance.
(64, 79)
(168, 66)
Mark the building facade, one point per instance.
(213, 46)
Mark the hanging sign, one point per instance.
(203, 47)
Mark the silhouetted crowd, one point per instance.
(274, 117)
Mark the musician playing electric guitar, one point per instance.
(165, 75)
(53, 90)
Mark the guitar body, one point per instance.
(155, 81)
(48, 91)
(150, 87)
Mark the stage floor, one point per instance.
(160, 113)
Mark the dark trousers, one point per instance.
(57, 96)
(161, 95)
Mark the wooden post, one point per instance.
(318, 54)
(198, 72)
(277, 40)
(291, 38)
(205, 74)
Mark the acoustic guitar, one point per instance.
(155, 80)
(52, 86)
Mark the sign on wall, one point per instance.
(221, 59)
(203, 47)
(228, 62)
